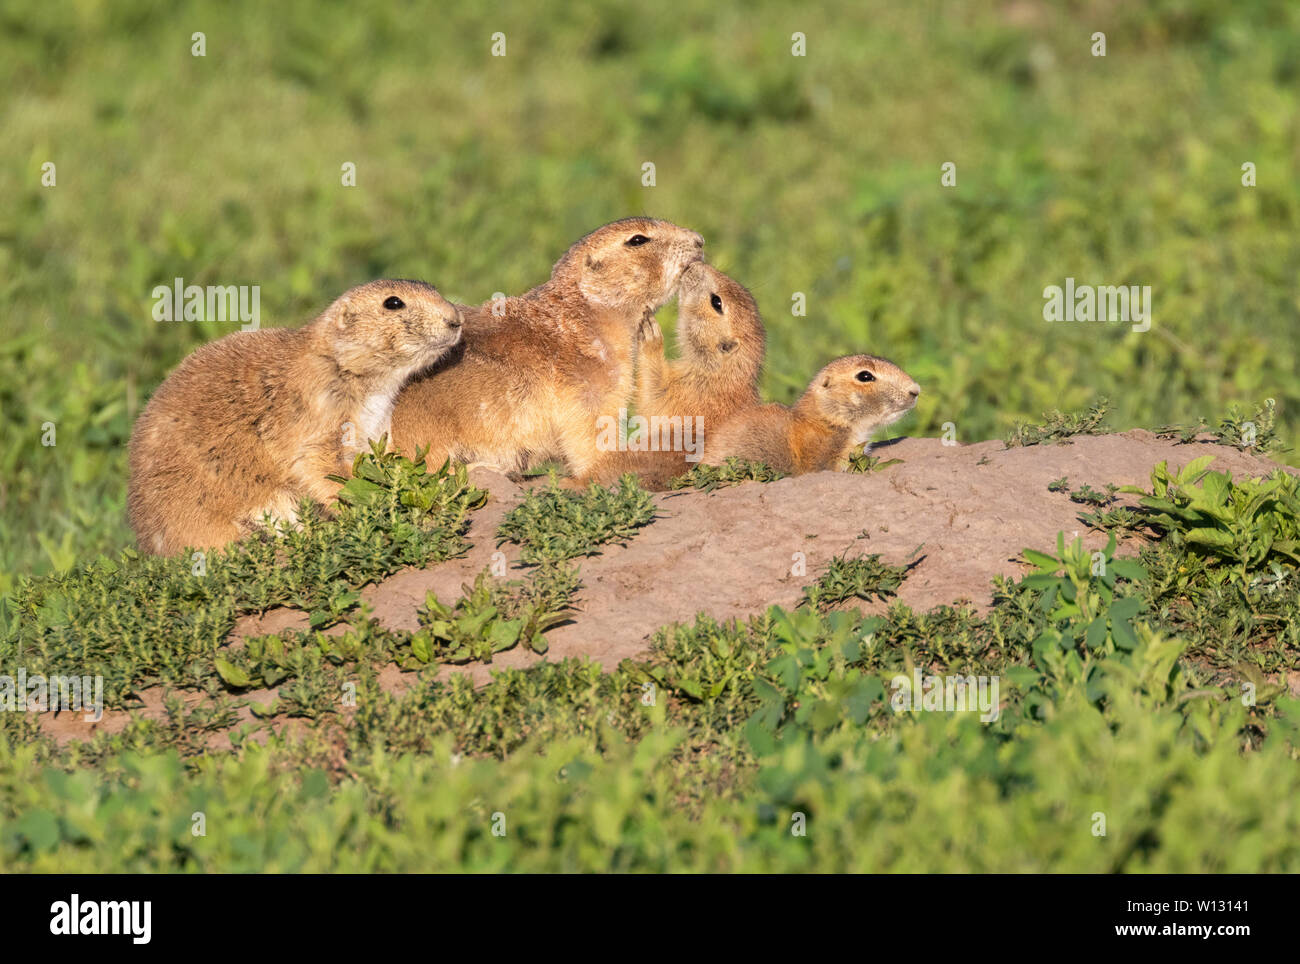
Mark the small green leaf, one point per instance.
(39, 828)
(232, 675)
(1096, 633)
(1043, 561)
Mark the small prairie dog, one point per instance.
(252, 423)
(844, 404)
(537, 372)
(721, 342)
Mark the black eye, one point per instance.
(716, 302)
(866, 376)
(636, 241)
(393, 303)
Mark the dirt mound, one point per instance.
(969, 509)
(965, 511)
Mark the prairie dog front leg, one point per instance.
(651, 363)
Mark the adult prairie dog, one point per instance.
(251, 424)
(537, 372)
(844, 404)
(721, 342)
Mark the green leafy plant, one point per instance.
(1257, 432)
(1078, 588)
(264, 662)
(862, 461)
(733, 471)
(1113, 518)
(816, 681)
(1059, 426)
(554, 524)
(863, 577)
(489, 618)
(1087, 495)
(472, 628)
(1182, 434)
(1247, 523)
(140, 620)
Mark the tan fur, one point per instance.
(834, 416)
(254, 422)
(532, 377)
(721, 356)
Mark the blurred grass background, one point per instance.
(816, 174)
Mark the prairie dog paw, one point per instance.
(649, 334)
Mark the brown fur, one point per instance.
(834, 416)
(254, 422)
(536, 371)
(721, 356)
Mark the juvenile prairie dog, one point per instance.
(535, 372)
(721, 342)
(251, 424)
(844, 404)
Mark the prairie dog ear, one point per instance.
(340, 312)
(728, 344)
(826, 382)
(594, 286)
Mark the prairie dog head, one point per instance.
(389, 329)
(861, 393)
(718, 321)
(632, 265)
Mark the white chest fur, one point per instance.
(864, 433)
(373, 418)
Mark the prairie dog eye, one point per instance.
(394, 303)
(865, 376)
(716, 302)
(636, 241)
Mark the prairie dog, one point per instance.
(252, 423)
(844, 404)
(536, 372)
(721, 342)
